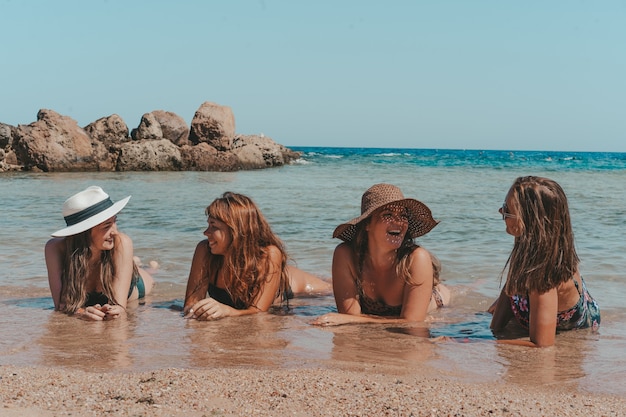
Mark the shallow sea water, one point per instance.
(304, 202)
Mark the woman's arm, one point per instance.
(197, 284)
(123, 263)
(543, 317)
(210, 309)
(501, 310)
(419, 290)
(54, 254)
(344, 273)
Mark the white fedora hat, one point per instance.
(87, 209)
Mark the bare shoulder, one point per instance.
(203, 245)
(202, 249)
(54, 249)
(274, 253)
(55, 244)
(420, 255)
(124, 238)
(421, 267)
(344, 250)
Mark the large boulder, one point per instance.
(111, 131)
(213, 124)
(161, 124)
(148, 129)
(204, 157)
(149, 155)
(173, 127)
(57, 143)
(259, 151)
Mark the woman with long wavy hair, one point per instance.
(241, 267)
(544, 290)
(91, 269)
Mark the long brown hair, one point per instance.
(543, 255)
(76, 270)
(402, 262)
(247, 265)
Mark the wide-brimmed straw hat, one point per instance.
(87, 209)
(420, 217)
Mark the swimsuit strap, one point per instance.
(437, 297)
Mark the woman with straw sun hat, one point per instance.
(91, 270)
(379, 273)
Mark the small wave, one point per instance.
(301, 161)
(389, 154)
(333, 156)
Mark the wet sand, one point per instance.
(44, 391)
(154, 363)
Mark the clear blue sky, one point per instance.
(532, 75)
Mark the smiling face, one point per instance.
(219, 236)
(389, 224)
(103, 235)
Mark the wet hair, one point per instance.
(246, 266)
(76, 270)
(543, 254)
(402, 262)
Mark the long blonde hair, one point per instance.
(76, 270)
(543, 255)
(246, 266)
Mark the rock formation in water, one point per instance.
(161, 142)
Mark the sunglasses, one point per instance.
(505, 213)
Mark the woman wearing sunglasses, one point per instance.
(544, 290)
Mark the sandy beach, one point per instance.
(266, 392)
(155, 363)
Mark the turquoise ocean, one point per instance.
(304, 202)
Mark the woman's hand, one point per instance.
(209, 309)
(112, 311)
(94, 313)
(99, 313)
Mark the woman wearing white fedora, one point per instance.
(379, 273)
(91, 270)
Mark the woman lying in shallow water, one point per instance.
(379, 273)
(544, 290)
(91, 269)
(241, 268)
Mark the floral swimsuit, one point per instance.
(584, 314)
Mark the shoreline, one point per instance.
(41, 391)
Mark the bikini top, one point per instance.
(222, 296)
(376, 307)
(97, 297)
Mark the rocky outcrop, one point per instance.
(57, 143)
(161, 142)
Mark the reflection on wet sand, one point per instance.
(562, 363)
(86, 345)
(253, 340)
(402, 347)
